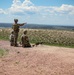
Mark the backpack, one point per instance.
(15, 27)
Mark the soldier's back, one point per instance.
(25, 41)
(15, 27)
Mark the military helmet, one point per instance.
(16, 20)
(25, 31)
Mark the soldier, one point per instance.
(25, 40)
(15, 28)
(11, 38)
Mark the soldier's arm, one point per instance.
(22, 24)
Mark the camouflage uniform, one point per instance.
(25, 40)
(15, 28)
(11, 38)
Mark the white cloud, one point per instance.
(27, 3)
(15, 7)
(16, 2)
(64, 9)
(2, 11)
(72, 13)
(27, 7)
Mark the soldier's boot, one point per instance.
(11, 44)
(16, 45)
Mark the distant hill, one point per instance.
(38, 26)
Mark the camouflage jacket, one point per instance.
(15, 27)
(24, 39)
(11, 37)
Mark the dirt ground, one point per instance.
(40, 60)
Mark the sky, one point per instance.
(50, 12)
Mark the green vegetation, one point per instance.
(3, 52)
(49, 37)
(4, 34)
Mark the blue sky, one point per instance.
(51, 12)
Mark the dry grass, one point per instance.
(50, 37)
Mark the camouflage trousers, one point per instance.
(15, 38)
(12, 42)
(26, 44)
